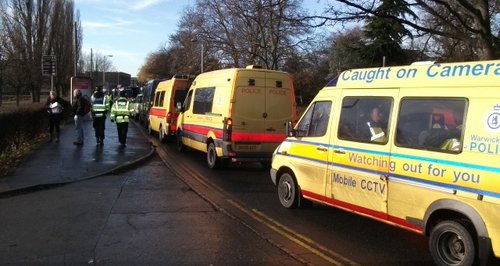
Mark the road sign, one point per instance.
(48, 65)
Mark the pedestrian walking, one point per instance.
(79, 113)
(55, 106)
(120, 112)
(100, 105)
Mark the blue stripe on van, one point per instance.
(410, 178)
(405, 156)
(449, 186)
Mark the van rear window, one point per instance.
(431, 124)
(179, 96)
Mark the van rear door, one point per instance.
(279, 105)
(260, 109)
(248, 111)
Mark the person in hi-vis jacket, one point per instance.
(100, 106)
(120, 113)
(375, 128)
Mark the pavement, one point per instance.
(61, 163)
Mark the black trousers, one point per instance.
(122, 132)
(99, 126)
(54, 123)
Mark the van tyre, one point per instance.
(451, 243)
(178, 141)
(212, 159)
(288, 191)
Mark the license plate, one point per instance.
(247, 147)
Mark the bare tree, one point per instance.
(3, 60)
(96, 62)
(34, 28)
(467, 22)
(246, 32)
(157, 66)
(29, 29)
(61, 42)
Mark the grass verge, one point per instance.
(10, 160)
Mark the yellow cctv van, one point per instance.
(415, 146)
(237, 114)
(163, 115)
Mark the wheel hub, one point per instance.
(286, 190)
(453, 249)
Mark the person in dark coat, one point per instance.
(55, 106)
(79, 113)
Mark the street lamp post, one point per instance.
(104, 71)
(201, 54)
(202, 59)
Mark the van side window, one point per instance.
(315, 121)
(187, 101)
(157, 99)
(431, 124)
(162, 97)
(203, 100)
(365, 119)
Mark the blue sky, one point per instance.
(129, 30)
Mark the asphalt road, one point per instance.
(338, 236)
(145, 216)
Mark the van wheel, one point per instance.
(451, 243)
(212, 160)
(178, 140)
(288, 191)
(161, 135)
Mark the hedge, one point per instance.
(21, 125)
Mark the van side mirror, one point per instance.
(289, 131)
(178, 107)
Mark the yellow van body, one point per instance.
(237, 115)
(428, 159)
(163, 115)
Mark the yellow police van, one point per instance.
(416, 146)
(237, 114)
(163, 115)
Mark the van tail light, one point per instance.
(228, 129)
(169, 117)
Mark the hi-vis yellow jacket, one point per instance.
(100, 104)
(121, 110)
